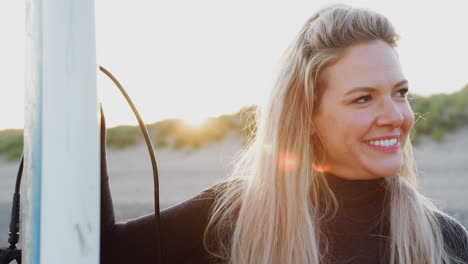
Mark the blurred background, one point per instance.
(198, 70)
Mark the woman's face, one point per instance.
(364, 117)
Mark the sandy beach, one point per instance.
(443, 176)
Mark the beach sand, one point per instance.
(443, 176)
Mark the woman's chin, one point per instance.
(386, 171)
(385, 167)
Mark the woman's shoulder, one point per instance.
(183, 226)
(455, 236)
(198, 206)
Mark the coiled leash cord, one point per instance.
(12, 253)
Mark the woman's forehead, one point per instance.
(369, 64)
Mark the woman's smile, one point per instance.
(384, 144)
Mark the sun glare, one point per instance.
(195, 121)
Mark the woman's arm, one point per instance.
(182, 228)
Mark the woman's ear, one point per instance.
(314, 138)
(318, 147)
(313, 131)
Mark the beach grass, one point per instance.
(435, 116)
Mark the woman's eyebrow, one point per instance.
(371, 89)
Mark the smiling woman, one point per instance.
(328, 177)
(364, 118)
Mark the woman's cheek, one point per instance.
(360, 121)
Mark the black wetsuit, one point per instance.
(353, 234)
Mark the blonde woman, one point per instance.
(328, 177)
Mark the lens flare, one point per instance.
(320, 168)
(287, 161)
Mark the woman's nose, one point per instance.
(390, 114)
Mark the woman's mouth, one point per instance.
(386, 144)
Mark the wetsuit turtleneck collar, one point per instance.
(356, 192)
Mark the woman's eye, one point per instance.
(402, 92)
(362, 99)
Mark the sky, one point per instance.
(197, 59)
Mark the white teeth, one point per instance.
(383, 143)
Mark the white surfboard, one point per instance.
(60, 192)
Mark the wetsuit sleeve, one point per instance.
(182, 228)
(455, 238)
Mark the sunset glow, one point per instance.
(211, 81)
(195, 122)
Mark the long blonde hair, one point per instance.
(269, 214)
